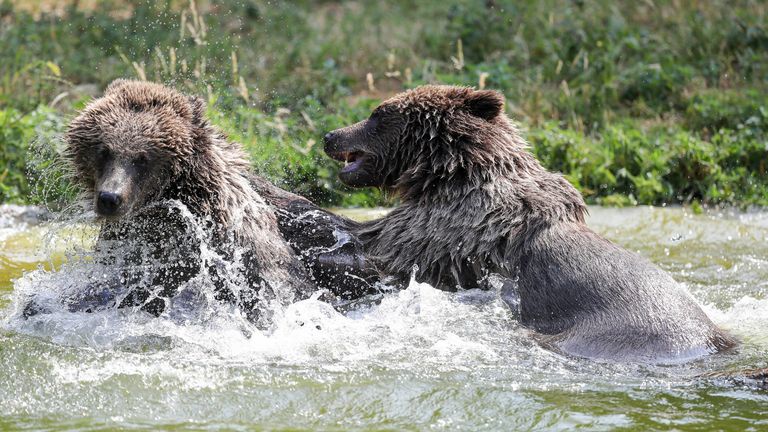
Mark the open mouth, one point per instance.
(352, 160)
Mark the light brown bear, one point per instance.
(143, 147)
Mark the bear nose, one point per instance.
(328, 137)
(108, 203)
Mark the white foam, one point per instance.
(420, 330)
(747, 319)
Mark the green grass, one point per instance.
(648, 102)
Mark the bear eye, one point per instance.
(141, 160)
(103, 153)
(135, 106)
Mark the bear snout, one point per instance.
(108, 203)
(331, 144)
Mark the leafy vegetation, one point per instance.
(636, 102)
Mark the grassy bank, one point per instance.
(636, 102)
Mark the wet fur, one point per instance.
(325, 243)
(180, 157)
(475, 202)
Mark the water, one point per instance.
(421, 359)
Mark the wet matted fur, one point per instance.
(143, 145)
(476, 206)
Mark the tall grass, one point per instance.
(649, 102)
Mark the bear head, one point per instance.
(425, 133)
(128, 147)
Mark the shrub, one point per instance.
(713, 110)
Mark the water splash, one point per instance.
(418, 356)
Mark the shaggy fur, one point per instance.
(148, 144)
(325, 243)
(476, 203)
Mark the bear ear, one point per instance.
(486, 104)
(197, 108)
(116, 85)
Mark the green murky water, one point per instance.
(422, 359)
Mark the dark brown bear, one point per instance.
(325, 242)
(478, 207)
